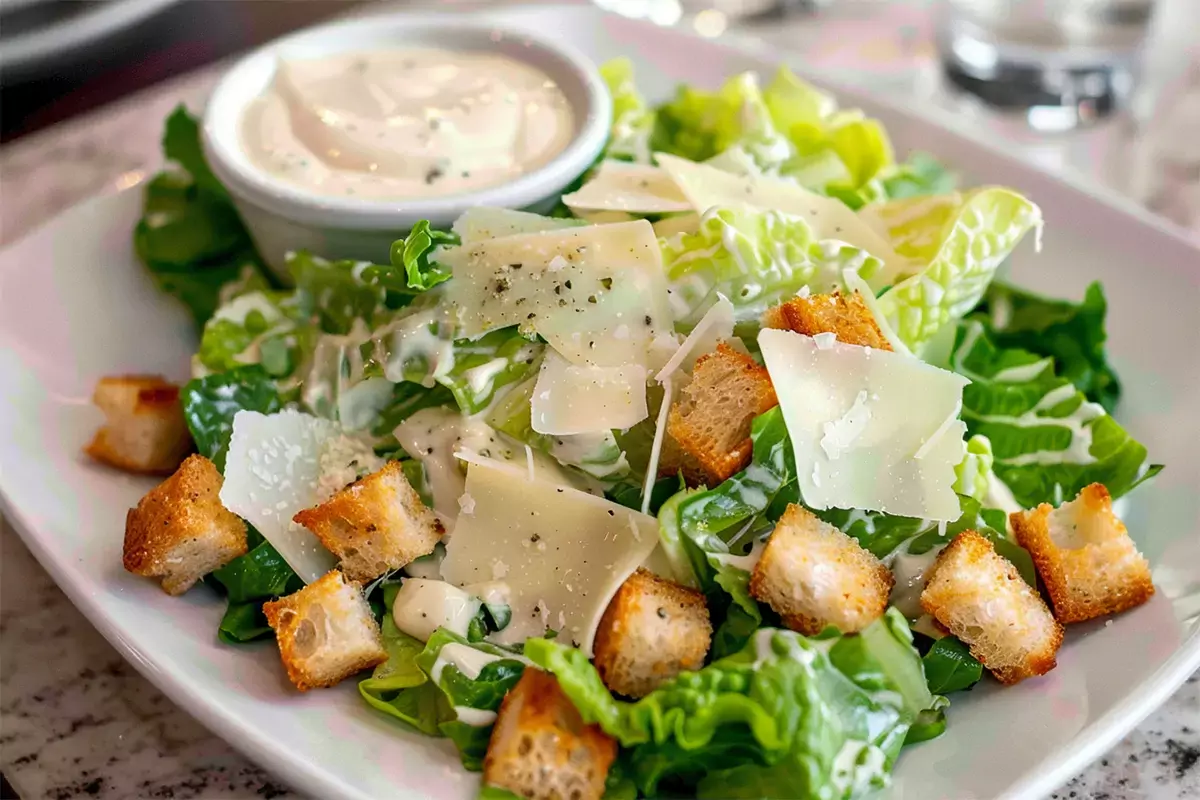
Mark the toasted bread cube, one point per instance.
(981, 598)
(375, 525)
(541, 748)
(814, 575)
(144, 429)
(845, 316)
(651, 631)
(1084, 556)
(708, 429)
(326, 632)
(179, 531)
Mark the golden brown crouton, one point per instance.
(1085, 557)
(541, 748)
(326, 632)
(814, 575)
(651, 631)
(846, 316)
(375, 525)
(982, 599)
(179, 531)
(144, 430)
(708, 429)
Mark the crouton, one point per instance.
(981, 598)
(375, 525)
(1084, 556)
(651, 631)
(814, 575)
(179, 531)
(144, 429)
(708, 429)
(845, 316)
(541, 748)
(326, 632)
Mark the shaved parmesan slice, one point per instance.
(484, 222)
(605, 217)
(622, 186)
(714, 327)
(597, 294)
(871, 429)
(283, 463)
(565, 553)
(829, 218)
(569, 398)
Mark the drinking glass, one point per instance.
(1064, 63)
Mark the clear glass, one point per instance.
(1063, 62)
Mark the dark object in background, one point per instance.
(176, 38)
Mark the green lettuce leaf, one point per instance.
(414, 254)
(756, 259)
(920, 176)
(972, 476)
(779, 718)
(702, 524)
(633, 120)
(1049, 441)
(1073, 334)
(484, 366)
(260, 327)
(248, 581)
(190, 236)
(956, 243)
(399, 687)
(210, 403)
(335, 293)
(950, 667)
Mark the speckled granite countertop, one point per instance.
(77, 721)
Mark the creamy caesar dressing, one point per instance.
(412, 122)
(423, 606)
(910, 571)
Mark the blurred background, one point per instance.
(1107, 89)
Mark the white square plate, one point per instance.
(76, 305)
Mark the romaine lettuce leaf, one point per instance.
(950, 667)
(335, 293)
(190, 236)
(956, 243)
(973, 476)
(1073, 334)
(780, 718)
(1049, 440)
(703, 523)
(755, 258)
(210, 403)
(633, 120)
(921, 175)
(415, 254)
(248, 581)
(399, 687)
(260, 327)
(484, 366)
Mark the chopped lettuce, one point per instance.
(633, 120)
(755, 258)
(433, 695)
(956, 243)
(416, 254)
(261, 574)
(484, 366)
(1072, 333)
(973, 476)
(1049, 440)
(335, 293)
(190, 236)
(786, 716)
(260, 327)
(950, 667)
(921, 175)
(210, 403)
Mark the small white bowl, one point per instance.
(282, 216)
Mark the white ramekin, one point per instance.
(283, 217)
